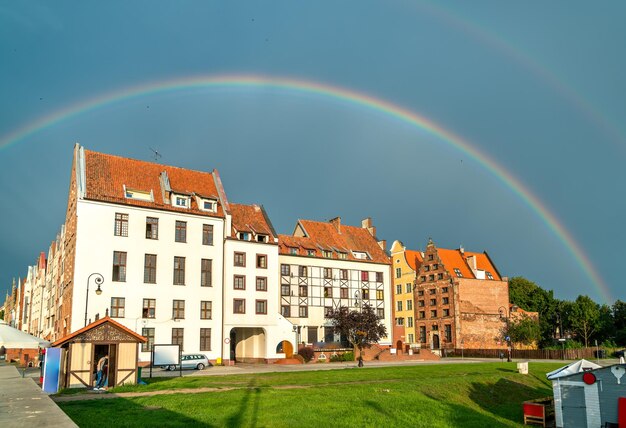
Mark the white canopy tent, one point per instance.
(12, 338)
(572, 368)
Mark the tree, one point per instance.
(619, 318)
(362, 327)
(531, 297)
(526, 330)
(584, 318)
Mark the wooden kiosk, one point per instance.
(86, 346)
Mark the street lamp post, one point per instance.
(359, 303)
(99, 279)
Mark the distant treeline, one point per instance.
(581, 322)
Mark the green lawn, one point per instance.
(452, 395)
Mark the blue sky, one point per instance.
(538, 87)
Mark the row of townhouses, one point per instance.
(161, 250)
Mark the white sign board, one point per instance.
(165, 355)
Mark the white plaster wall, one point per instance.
(95, 244)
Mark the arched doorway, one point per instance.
(285, 347)
(247, 344)
(435, 341)
(399, 346)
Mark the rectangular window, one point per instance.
(431, 277)
(422, 334)
(149, 268)
(240, 259)
(181, 201)
(327, 311)
(409, 321)
(327, 254)
(435, 266)
(411, 337)
(399, 304)
(420, 303)
(423, 278)
(285, 310)
(328, 273)
(365, 276)
(261, 307)
(489, 275)
(420, 292)
(119, 266)
(121, 224)
(398, 272)
(427, 268)
(285, 270)
(409, 305)
(380, 312)
(398, 288)
(435, 327)
(444, 290)
(422, 314)
(179, 271)
(342, 256)
(205, 339)
(178, 309)
(303, 311)
(446, 312)
(261, 283)
(310, 253)
(207, 234)
(303, 291)
(285, 290)
(409, 287)
(293, 250)
(152, 228)
(430, 257)
(239, 306)
(261, 261)
(206, 310)
(206, 273)
(458, 273)
(328, 291)
(439, 276)
(433, 302)
(180, 232)
(148, 333)
(380, 295)
(343, 274)
(379, 277)
(177, 337)
(239, 282)
(117, 307)
(448, 332)
(302, 271)
(149, 308)
(433, 314)
(365, 293)
(432, 291)
(343, 293)
(399, 321)
(445, 300)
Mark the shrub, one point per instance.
(348, 356)
(306, 353)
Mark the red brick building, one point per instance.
(461, 300)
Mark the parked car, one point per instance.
(191, 361)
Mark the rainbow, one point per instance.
(340, 94)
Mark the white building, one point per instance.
(327, 265)
(154, 247)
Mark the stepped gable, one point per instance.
(108, 176)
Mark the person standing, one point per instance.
(102, 367)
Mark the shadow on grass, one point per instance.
(120, 412)
(252, 393)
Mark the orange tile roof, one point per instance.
(413, 258)
(452, 259)
(106, 175)
(96, 324)
(251, 218)
(321, 235)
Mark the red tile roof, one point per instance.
(106, 175)
(251, 218)
(413, 258)
(321, 235)
(452, 259)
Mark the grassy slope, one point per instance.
(480, 395)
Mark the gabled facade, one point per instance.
(405, 265)
(325, 265)
(461, 300)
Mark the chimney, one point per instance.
(382, 244)
(461, 249)
(471, 260)
(367, 224)
(337, 223)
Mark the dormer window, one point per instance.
(138, 194)
(244, 236)
(327, 254)
(342, 256)
(261, 238)
(181, 201)
(293, 250)
(208, 205)
(489, 275)
(360, 255)
(310, 252)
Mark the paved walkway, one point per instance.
(23, 404)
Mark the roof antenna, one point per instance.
(157, 155)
